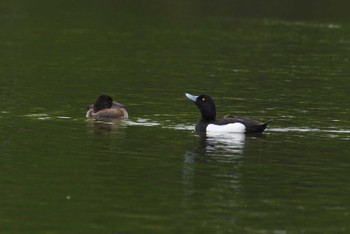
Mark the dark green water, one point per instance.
(60, 173)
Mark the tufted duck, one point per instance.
(209, 123)
(105, 108)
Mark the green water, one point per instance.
(60, 173)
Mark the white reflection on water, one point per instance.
(217, 147)
(228, 143)
(215, 142)
(225, 149)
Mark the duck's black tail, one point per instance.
(264, 125)
(259, 128)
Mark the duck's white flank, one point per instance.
(232, 127)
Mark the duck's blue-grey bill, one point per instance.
(191, 97)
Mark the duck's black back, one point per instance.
(252, 126)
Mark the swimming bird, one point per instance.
(208, 122)
(104, 108)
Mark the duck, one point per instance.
(105, 109)
(208, 122)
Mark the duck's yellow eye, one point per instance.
(203, 99)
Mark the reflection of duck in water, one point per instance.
(209, 124)
(220, 146)
(226, 144)
(116, 127)
(105, 109)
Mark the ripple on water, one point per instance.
(180, 127)
(167, 124)
(306, 129)
(142, 122)
(41, 116)
(44, 116)
(343, 134)
(294, 129)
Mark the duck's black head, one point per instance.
(205, 105)
(103, 102)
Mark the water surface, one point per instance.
(61, 173)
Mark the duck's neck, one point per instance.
(208, 113)
(207, 119)
(202, 124)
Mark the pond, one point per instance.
(62, 173)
